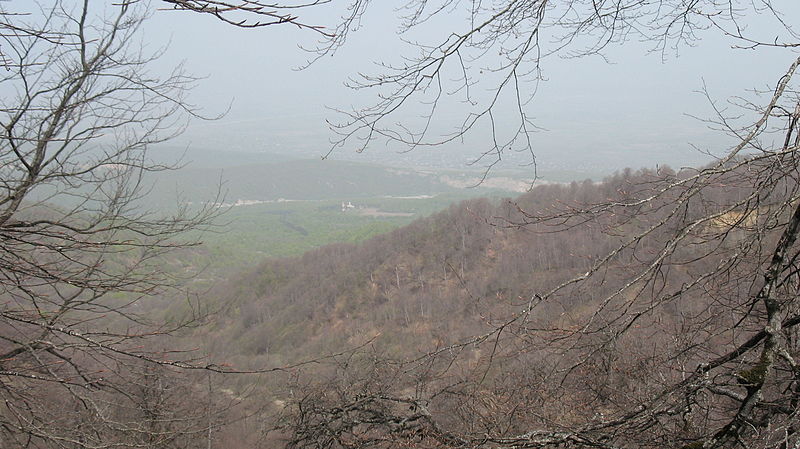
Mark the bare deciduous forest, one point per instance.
(655, 308)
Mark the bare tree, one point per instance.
(80, 252)
(253, 14)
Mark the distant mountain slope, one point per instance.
(417, 286)
(420, 285)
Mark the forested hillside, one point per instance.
(415, 294)
(424, 281)
(413, 285)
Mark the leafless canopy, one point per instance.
(252, 14)
(79, 367)
(682, 334)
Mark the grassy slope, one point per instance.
(247, 235)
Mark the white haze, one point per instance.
(636, 110)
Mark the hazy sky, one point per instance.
(638, 105)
